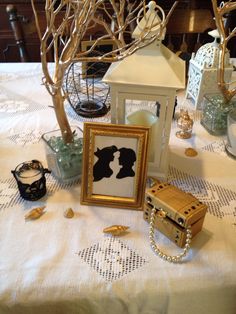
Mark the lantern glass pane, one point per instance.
(144, 113)
(132, 105)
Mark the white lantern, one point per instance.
(151, 74)
(202, 76)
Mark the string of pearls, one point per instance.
(157, 251)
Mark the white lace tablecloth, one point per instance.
(57, 265)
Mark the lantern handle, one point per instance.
(153, 8)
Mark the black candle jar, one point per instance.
(30, 178)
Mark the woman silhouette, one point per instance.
(126, 159)
(101, 168)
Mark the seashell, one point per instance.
(115, 230)
(35, 213)
(190, 152)
(69, 213)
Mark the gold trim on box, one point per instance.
(91, 130)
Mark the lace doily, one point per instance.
(221, 202)
(8, 105)
(26, 138)
(111, 258)
(217, 147)
(9, 194)
(12, 103)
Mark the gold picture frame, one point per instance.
(114, 165)
(89, 69)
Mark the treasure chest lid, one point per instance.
(182, 207)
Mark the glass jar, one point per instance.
(64, 160)
(30, 178)
(231, 133)
(214, 113)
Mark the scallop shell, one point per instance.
(115, 230)
(35, 213)
(69, 213)
(190, 152)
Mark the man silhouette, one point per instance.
(126, 159)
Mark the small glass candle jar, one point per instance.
(231, 133)
(30, 178)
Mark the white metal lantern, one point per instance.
(202, 76)
(151, 74)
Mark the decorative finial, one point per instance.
(152, 20)
(215, 34)
(152, 5)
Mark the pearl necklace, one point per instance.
(157, 251)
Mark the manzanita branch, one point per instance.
(67, 23)
(219, 12)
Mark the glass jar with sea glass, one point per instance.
(215, 110)
(64, 159)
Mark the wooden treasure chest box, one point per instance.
(181, 210)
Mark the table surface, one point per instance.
(58, 265)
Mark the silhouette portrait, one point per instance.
(101, 168)
(126, 160)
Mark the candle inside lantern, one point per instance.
(147, 119)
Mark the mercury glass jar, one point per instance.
(231, 133)
(64, 160)
(214, 113)
(185, 124)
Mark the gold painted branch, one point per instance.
(67, 22)
(219, 12)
